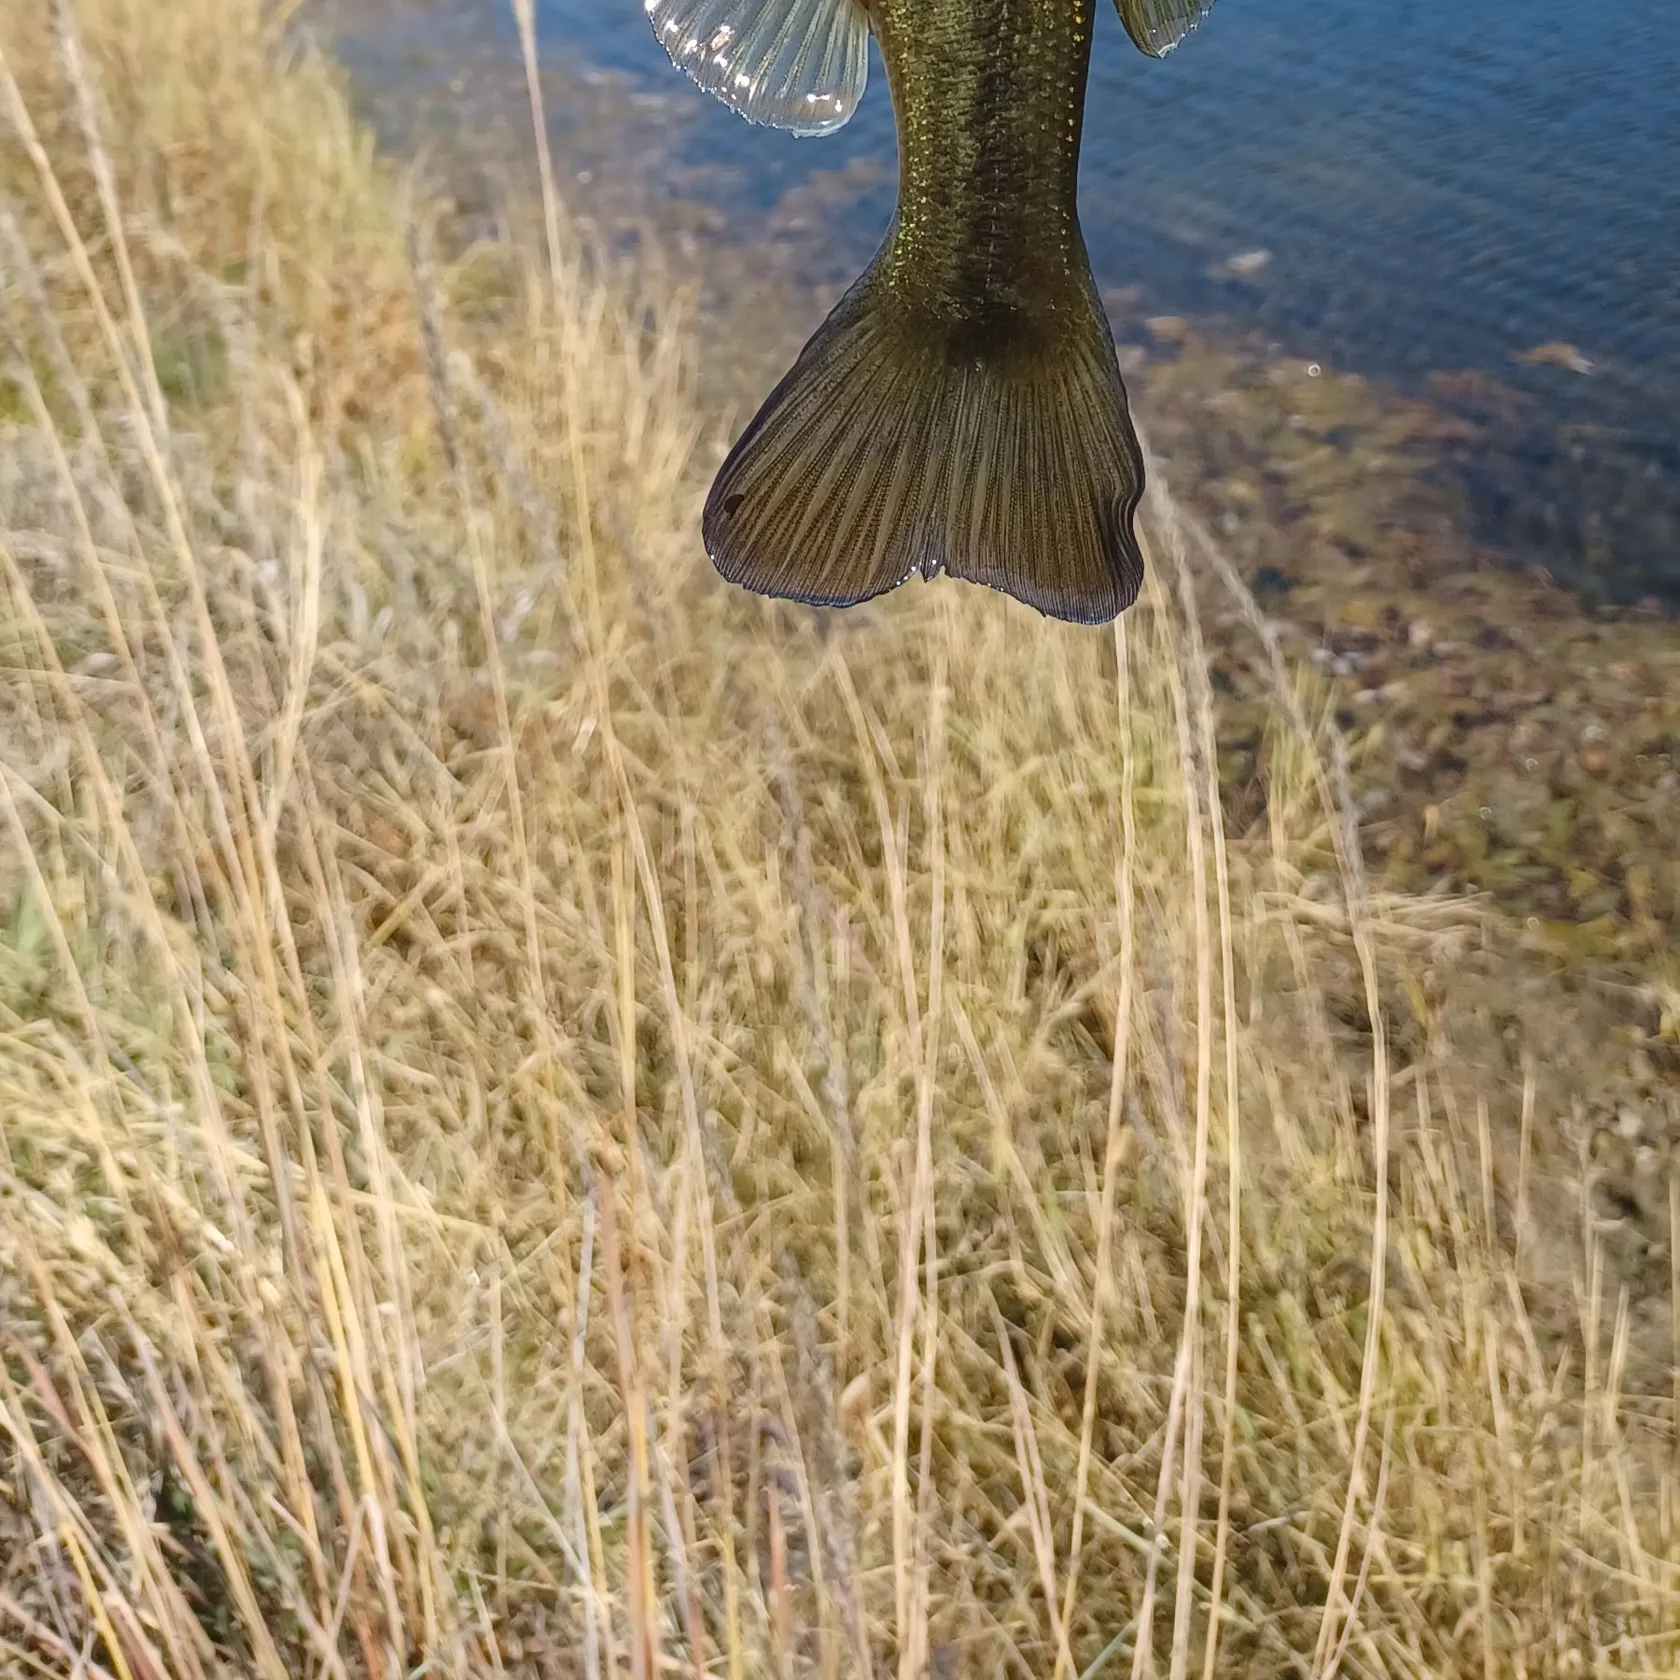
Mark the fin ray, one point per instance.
(880, 455)
(800, 65)
(1157, 26)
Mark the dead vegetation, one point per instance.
(557, 1120)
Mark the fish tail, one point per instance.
(1005, 459)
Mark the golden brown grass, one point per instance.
(557, 1120)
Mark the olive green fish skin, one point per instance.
(985, 252)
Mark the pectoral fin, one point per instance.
(794, 64)
(1157, 26)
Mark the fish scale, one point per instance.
(990, 110)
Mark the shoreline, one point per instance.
(1512, 738)
(1468, 681)
(1467, 684)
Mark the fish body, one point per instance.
(961, 409)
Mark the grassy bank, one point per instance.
(561, 1120)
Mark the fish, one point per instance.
(961, 409)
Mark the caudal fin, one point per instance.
(881, 454)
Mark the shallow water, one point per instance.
(1437, 186)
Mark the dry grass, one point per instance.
(557, 1120)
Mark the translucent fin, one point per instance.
(1157, 26)
(879, 455)
(794, 64)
